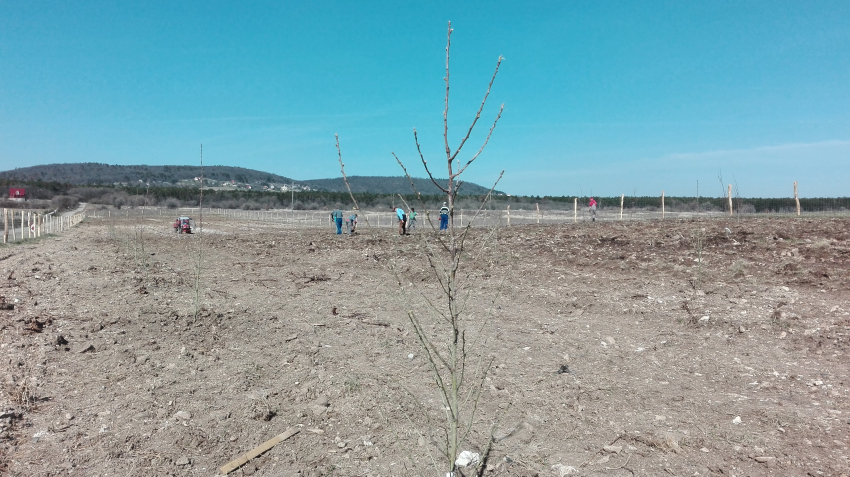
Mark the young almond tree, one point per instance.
(443, 337)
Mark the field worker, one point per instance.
(411, 220)
(444, 217)
(351, 223)
(592, 207)
(402, 218)
(336, 215)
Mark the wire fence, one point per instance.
(608, 209)
(19, 224)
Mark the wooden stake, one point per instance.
(538, 212)
(622, 196)
(242, 460)
(662, 204)
(796, 199)
(5, 225)
(731, 212)
(509, 216)
(575, 209)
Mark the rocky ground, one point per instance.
(698, 347)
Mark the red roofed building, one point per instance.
(17, 194)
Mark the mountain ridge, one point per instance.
(92, 173)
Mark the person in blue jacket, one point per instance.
(351, 223)
(402, 220)
(337, 217)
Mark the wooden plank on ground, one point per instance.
(242, 460)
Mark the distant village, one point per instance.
(220, 185)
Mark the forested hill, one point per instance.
(91, 173)
(391, 185)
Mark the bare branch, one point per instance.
(429, 347)
(446, 111)
(425, 163)
(478, 114)
(463, 235)
(485, 142)
(347, 185)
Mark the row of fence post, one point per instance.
(728, 201)
(34, 225)
(314, 218)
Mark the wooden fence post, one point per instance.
(538, 211)
(622, 196)
(509, 215)
(5, 225)
(796, 199)
(575, 210)
(729, 194)
(662, 204)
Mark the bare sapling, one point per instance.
(453, 344)
(200, 254)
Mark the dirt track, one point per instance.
(735, 365)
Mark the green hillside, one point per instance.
(390, 185)
(91, 173)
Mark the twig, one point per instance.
(600, 450)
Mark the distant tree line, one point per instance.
(57, 195)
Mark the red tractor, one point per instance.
(183, 225)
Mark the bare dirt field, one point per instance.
(634, 348)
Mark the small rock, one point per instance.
(411, 356)
(613, 449)
(61, 341)
(741, 329)
(183, 415)
(340, 444)
(737, 420)
(88, 348)
(610, 340)
(565, 470)
(783, 335)
(705, 449)
(182, 461)
(704, 318)
(765, 459)
(69, 416)
(467, 458)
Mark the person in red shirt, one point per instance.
(592, 207)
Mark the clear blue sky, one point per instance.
(600, 97)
